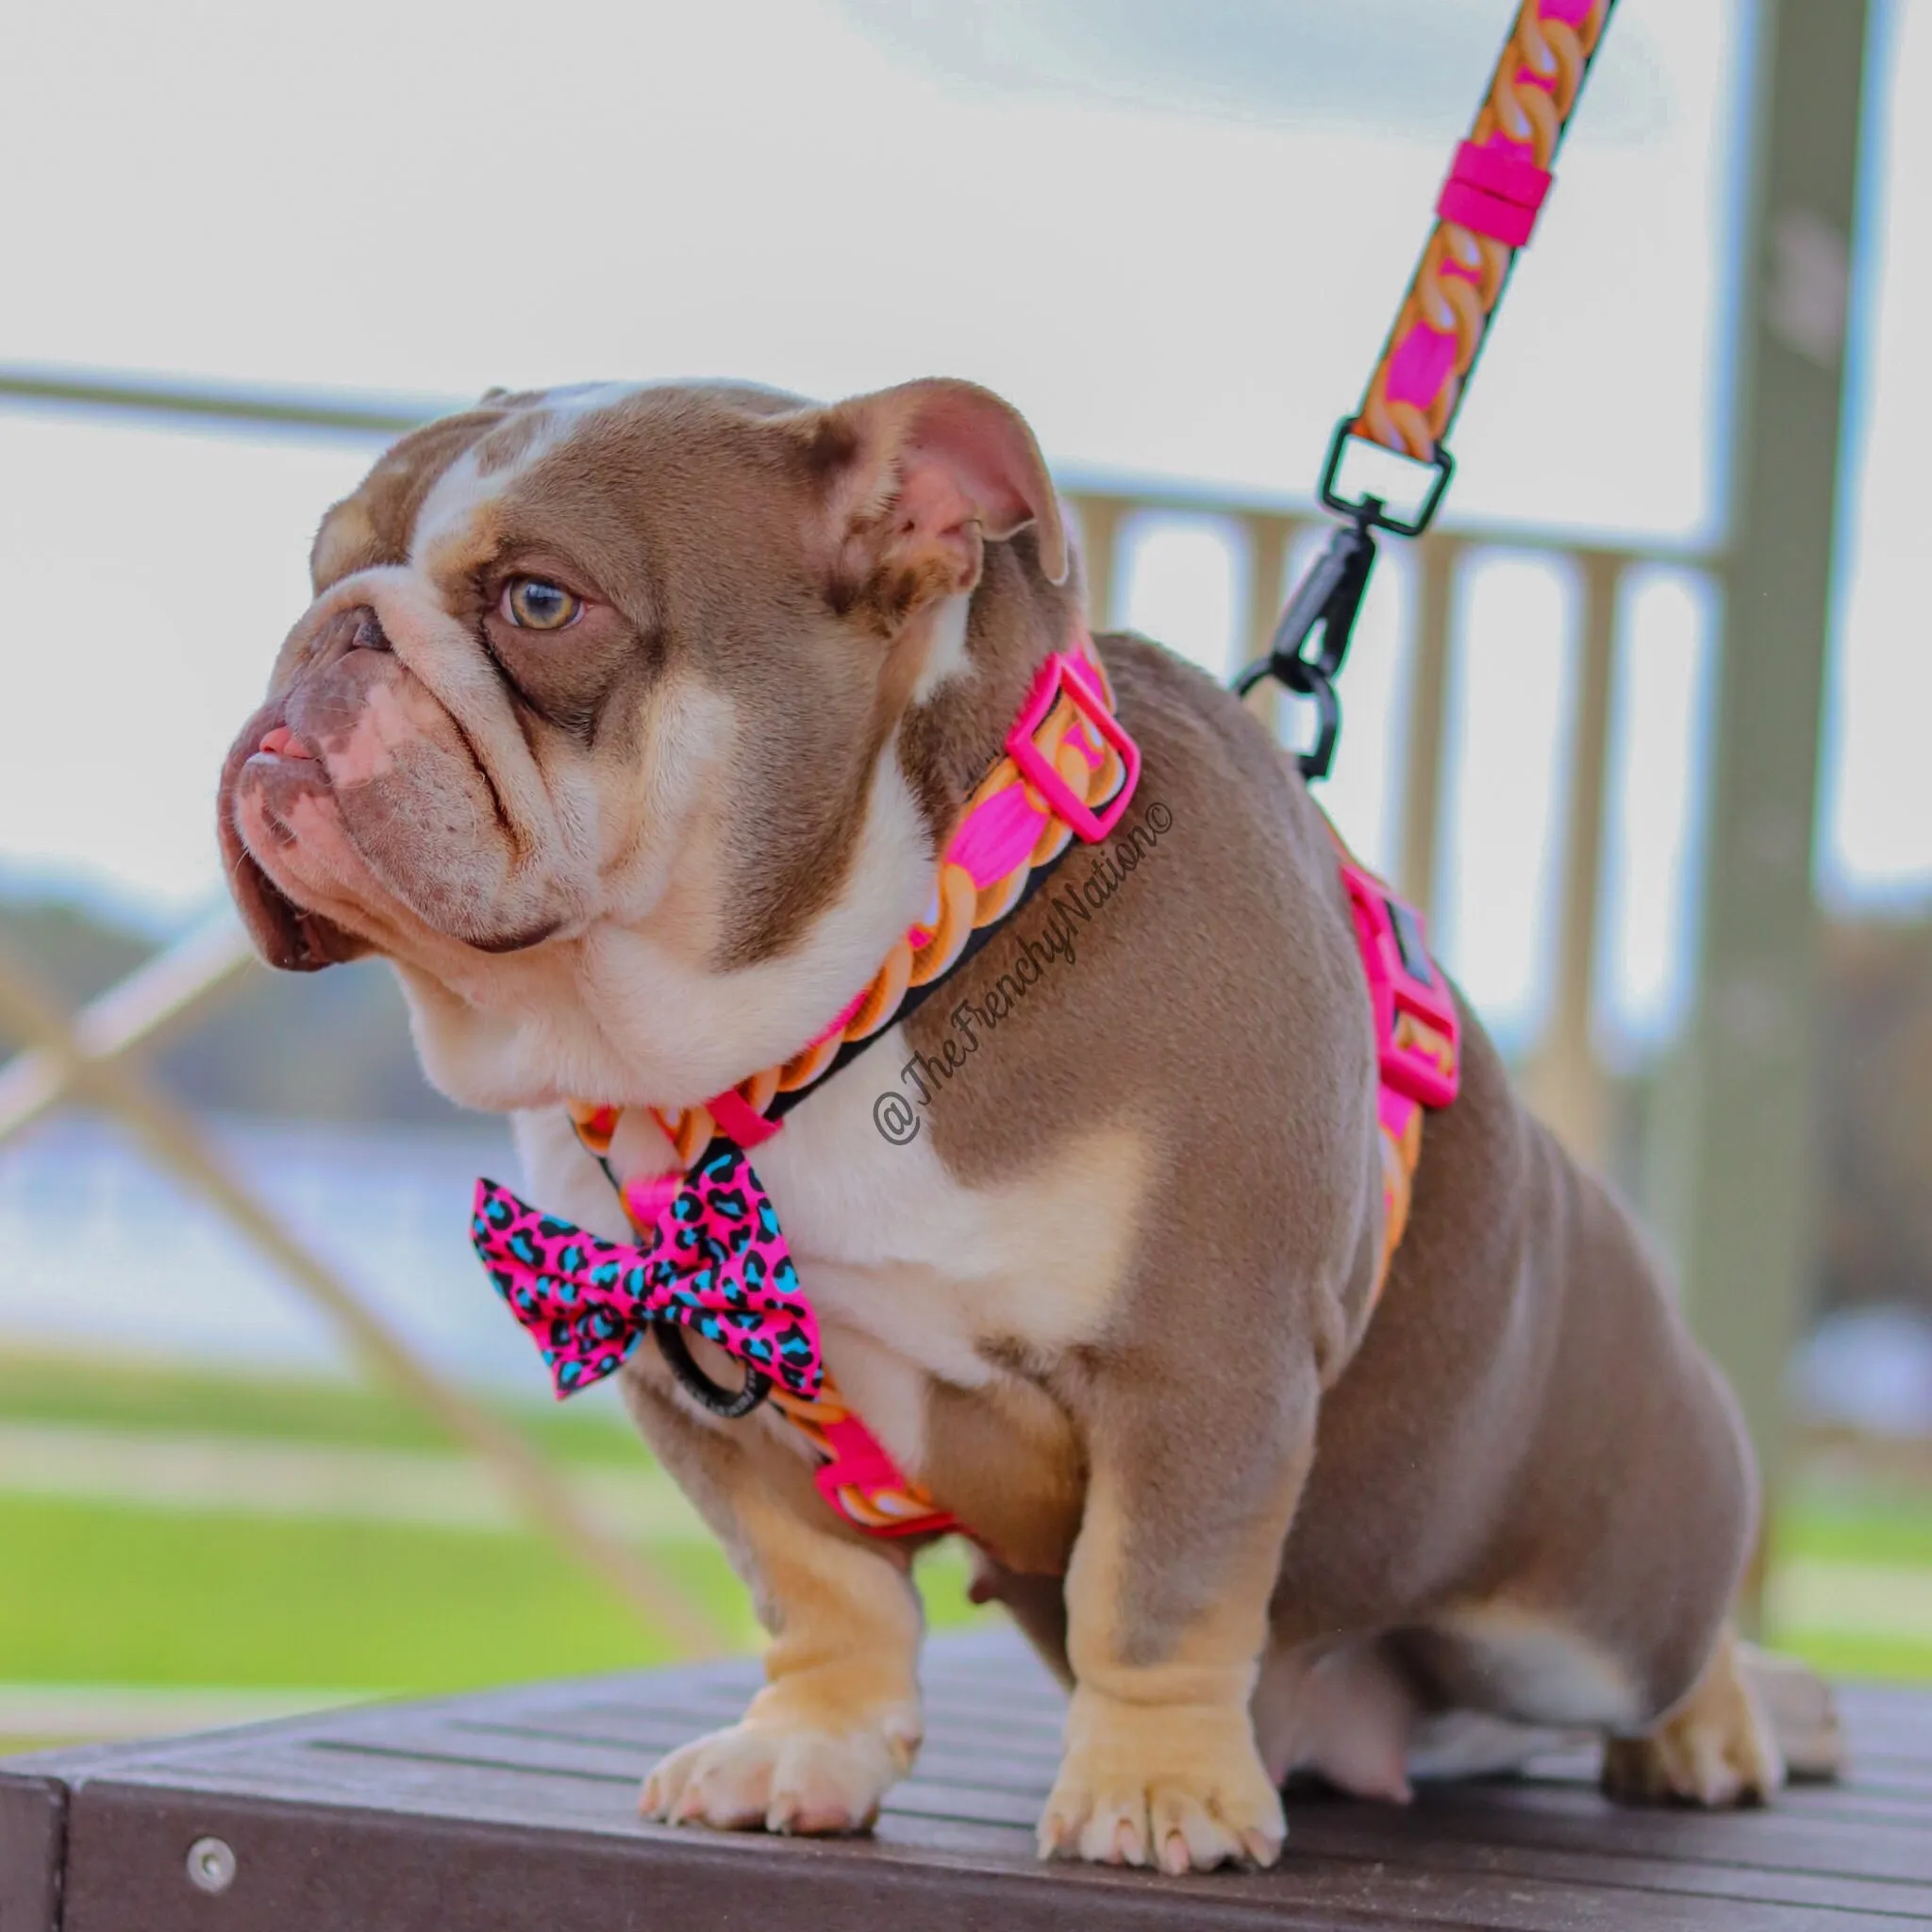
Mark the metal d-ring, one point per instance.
(728, 1403)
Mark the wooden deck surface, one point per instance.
(513, 1811)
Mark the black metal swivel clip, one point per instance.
(1330, 597)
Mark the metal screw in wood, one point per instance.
(211, 1864)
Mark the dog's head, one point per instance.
(626, 721)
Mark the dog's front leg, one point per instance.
(1166, 1625)
(837, 1721)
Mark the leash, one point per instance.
(1485, 217)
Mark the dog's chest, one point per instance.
(897, 1254)
(915, 1277)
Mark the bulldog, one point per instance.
(630, 725)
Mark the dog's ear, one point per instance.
(915, 480)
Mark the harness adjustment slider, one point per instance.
(1495, 191)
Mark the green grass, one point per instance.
(99, 1593)
(127, 1394)
(1856, 1522)
(1885, 1659)
(1844, 1520)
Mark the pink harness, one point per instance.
(711, 1255)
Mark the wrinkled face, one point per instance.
(601, 701)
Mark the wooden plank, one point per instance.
(484, 1794)
(1746, 1856)
(306, 1869)
(980, 1729)
(1870, 1772)
(1865, 1701)
(1888, 1724)
(971, 1777)
(33, 1837)
(1783, 1836)
(1433, 1837)
(34, 1791)
(1338, 1829)
(637, 1729)
(516, 1808)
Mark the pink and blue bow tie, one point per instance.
(714, 1261)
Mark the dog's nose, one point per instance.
(282, 743)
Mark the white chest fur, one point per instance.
(913, 1274)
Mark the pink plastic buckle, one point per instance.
(1403, 979)
(1063, 672)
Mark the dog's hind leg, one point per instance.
(1802, 1710)
(1354, 1713)
(1717, 1748)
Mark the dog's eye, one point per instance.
(535, 604)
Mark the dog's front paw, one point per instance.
(1716, 1750)
(1181, 1787)
(781, 1776)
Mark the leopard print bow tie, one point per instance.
(714, 1261)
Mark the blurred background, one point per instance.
(1643, 725)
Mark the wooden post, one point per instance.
(1100, 538)
(1428, 718)
(1566, 1081)
(1748, 1239)
(1269, 538)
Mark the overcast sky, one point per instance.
(1172, 235)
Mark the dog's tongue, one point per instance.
(281, 742)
